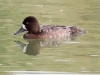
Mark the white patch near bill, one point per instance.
(23, 26)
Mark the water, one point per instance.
(50, 57)
(74, 56)
(33, 46)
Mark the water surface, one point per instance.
(80, 55)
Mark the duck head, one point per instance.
(29, 24)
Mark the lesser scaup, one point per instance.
(35, 31)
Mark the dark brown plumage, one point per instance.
(35, 31)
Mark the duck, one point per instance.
(37, 31)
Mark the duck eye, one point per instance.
(26, 22)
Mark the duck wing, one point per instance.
(61, 29)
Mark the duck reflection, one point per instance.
(33, 46)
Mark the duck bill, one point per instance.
(19, 31)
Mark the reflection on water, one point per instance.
(33, 46)
(45, 73)
(39, 73)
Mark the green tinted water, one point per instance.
(81, 55)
